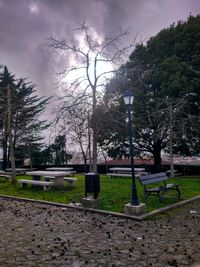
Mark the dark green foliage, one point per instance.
(54, 154)
(58, 149)
(112, 133)
(164, 71)
(26, 111)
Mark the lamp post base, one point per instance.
(135, 210)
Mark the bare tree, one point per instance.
(88, 75)
(79, 130)
(176, 113)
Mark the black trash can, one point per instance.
(92, 184)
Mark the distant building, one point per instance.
(137, 161)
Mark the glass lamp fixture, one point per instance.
(128, 98)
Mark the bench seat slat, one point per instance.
(65, 178)
(46, 185)
(152, 181)
(160, 188)
(152, 176)
(34, 182)
(70, 180)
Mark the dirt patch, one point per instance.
(35, 234)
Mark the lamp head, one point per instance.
(128, 98)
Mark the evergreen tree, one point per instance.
(7, 107)
(25, 110)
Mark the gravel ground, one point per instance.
(34, 234)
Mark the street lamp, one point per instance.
(128, 99)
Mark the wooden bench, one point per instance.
(46, 185)
(70, 180)
(146, 180)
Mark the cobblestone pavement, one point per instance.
(34, 234)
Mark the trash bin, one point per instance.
(92, 184)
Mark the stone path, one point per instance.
(35, 234)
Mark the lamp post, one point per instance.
(128, 99)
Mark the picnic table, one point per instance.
(59, 169)
(69, 169)
(125, 172)
(58, 175)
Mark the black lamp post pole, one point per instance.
(134, 197)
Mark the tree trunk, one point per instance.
(94, 128)
(94, 152)
(29, 155)
(84, 157)
(5, 152)
(12, 157)
(171, 142)
(105, 160)
(85, 163)
(89, 145)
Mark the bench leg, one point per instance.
(23, 185)
(145, 195)
(159, 196)
(36, 178)
(179, 192)
(163, 192)
(47, 187)
(70, 184)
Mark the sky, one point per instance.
(25, 26)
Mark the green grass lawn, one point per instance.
(115, 192)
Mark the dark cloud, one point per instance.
(25, 25)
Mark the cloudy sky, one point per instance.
(26, 24)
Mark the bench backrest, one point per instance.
(153, 178)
